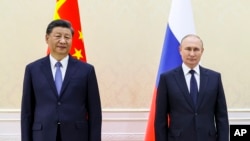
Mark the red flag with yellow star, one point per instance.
(68, 10)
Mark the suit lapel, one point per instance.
(181, 82)
(46, 69)
(69, 72)
(203, 85)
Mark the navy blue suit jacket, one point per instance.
(207, 121)
(77, 109)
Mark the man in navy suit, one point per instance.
(179, 116)
(72, 113)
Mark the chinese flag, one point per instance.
(68, 10)
(180, 23)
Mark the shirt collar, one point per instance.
(186, 69)
(53, 61)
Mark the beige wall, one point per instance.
(123, 40)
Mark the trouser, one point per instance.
(58, 135)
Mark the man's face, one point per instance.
(59, 41)
(191, 51)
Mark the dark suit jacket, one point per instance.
(207, 121)
(77, 109)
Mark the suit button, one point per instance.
(59, 103)
(196, 114)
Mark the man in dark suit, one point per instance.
(69, 110)
(194, 111)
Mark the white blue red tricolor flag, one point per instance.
(180, 23)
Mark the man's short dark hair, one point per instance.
(59, 23)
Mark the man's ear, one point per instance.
(46, 38)
(180, 48)
(202, 49)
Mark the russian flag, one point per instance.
(180, 23)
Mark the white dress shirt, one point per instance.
(187, 75)
(64, 63)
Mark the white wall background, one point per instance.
(123, 40)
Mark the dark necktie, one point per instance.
(58, 77)
(193, 87)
